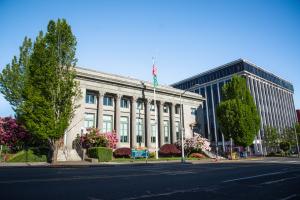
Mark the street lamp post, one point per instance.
(181, 121)
(139, 127)
(181, 128)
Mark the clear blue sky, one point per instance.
(187, 37)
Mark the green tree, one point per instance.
(285, 146)
(45, 102)
(271, 139)
(237, 114)
(12, 78)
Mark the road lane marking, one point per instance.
(155, 195)
(251, 177)
(279, 180)
(289, 197)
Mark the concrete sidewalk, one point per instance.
(75, 164)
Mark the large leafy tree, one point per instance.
(271, 138)
(237, 114)
(13, 76)
(45, 99)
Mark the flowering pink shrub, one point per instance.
(93, 138)
(112, 139)
(196, 143)
(12, 134)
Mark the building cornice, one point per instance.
(93, 75)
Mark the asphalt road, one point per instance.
(245, 180)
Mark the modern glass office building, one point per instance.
(273, 97)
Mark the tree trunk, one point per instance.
(54, 146)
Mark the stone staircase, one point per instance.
(65, 154)
(211, 154)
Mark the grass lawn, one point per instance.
(29, 156)
(151, 159)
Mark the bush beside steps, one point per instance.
(103, 154)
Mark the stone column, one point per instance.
(117, 115)
(148, 123)
(100, 110)
(133, 122)
(174, 139)
(161, 123)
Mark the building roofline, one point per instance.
(81, 71)
(226, 65)
(254, 65)
(209, 71)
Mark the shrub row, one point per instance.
(103, 154)
(122, 152)
(167, 150)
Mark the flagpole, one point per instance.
(155, 110)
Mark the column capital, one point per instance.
(118, 96)
(101, 93)
(149, 101)
(134, 98)
(173, 104)
(161, 102)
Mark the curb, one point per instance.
(100, 165)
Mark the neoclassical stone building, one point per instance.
(111, 102)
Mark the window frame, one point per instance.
(124, 137)
(105, 122)
(108, 101)
(89, 121)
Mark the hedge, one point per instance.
(103, 154)
(123, 152)
(169, 150)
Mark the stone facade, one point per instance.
(111, 102)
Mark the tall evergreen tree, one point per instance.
(49, 89)
(237, 114)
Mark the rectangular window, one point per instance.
(177, 131)
(124, 130)
(89, 120)
(107, 123)
(139, 130)
(140, 105)
(153, 131)
(152, 108)
(166, 109)
(193, 111)
(166, 131)
(108, 101)
(90, 98)
(177, 109)
(124, 103)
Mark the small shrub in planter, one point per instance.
(152, 155)
(122, 152)
(169, 150)
(197, 155)
(103, 154)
